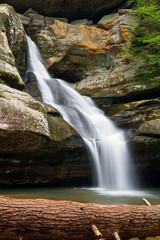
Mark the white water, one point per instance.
(105, 143)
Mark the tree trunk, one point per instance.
(36, 219)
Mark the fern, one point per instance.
(145, 46)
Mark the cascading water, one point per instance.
(105, 143)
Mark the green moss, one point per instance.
(147, 81)
(45, 111)
(35, 105)
(1, 95)
(54, 130)
(3, 82)
(10, 79)
(63, 141)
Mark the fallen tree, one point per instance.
(38, 219)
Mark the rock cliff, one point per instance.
(13, 47)
(69, 8)
(37, 145)
(87, 56)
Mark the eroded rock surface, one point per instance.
(37, 145)
(69, 8)
(32, 134)
(13, 47)
(140, 119)
(78, 52)
(88, 55)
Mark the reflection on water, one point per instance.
(95, 195)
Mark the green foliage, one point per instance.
(2, 82)
(52, 75)
(54, 129)
(146, 44)
(45, 111)
(1, 95)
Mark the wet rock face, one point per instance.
(37, 145)
(13, 47)
(53, 166)
(70, 9)
(140, 120)
(145, 153)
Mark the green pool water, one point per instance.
(94, 195)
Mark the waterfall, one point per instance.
(106, 143)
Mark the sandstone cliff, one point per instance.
(87, 56)
(37, 145)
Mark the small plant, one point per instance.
(1, 81)
(52, 75)
(1, 95)
(44, 111)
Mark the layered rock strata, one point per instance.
(87, 57)
(37, 146)
(13, 47)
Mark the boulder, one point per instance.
(69, 8)
(33, 21)
(13, 47)
(151, 127)
(36, 22)
(108, 21)
(75, 52)
(25, 20)
(37, 145)
(22, 114)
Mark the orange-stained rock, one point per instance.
(77, 52)
(88, 56)
(74, 51)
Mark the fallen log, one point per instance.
(38, 219)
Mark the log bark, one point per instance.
(38, 219)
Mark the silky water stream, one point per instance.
(106, 143)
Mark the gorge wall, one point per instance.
(33, 135)
(69, 8)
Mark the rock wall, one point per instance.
(37, 145)
(69, 8)
(13, 47)
(141, 122)
(88, 57)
